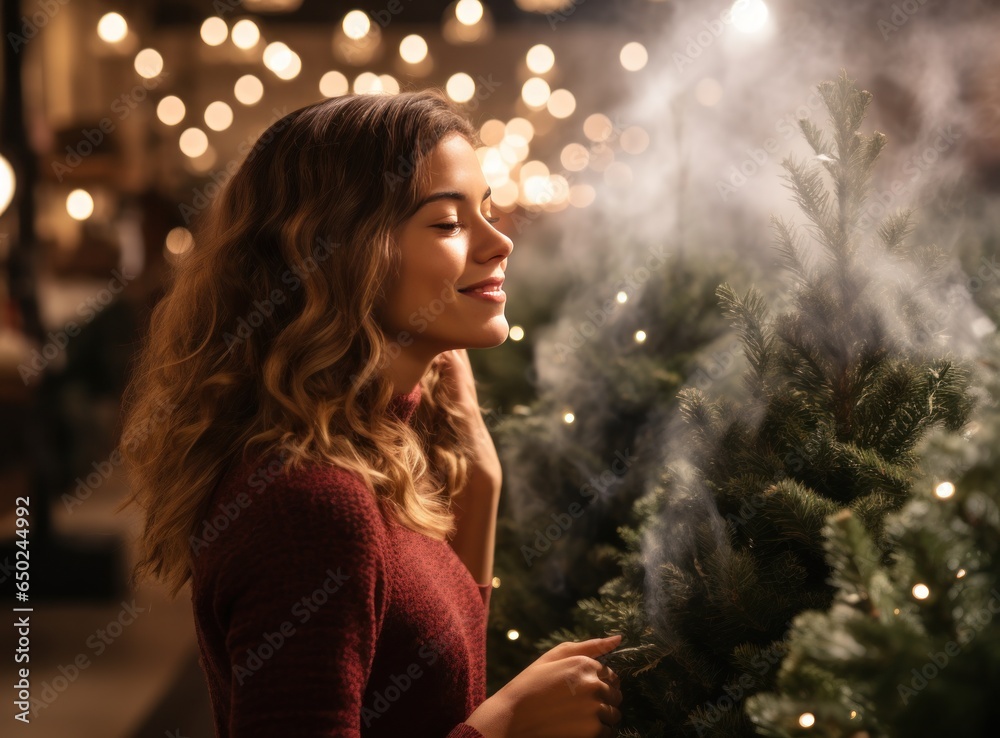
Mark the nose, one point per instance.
(493, 244)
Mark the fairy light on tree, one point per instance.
(112, 28)
(170, 110)
(245, 34)
(214, 31)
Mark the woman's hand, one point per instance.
(565, 693)
(456, 373)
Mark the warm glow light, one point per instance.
(7, 184)
(580, 196)
(469, 12)
(218, 116)
(413, 49)
(170, 110)
(245, 34)
(367, 83)
(460, 87)
(520, 127)
(292, 69)
(597, 127)
(568, 418)
(533, 169)
(634, 140)
(561, 103)
(537, 190)
(516, 333)
(112, 28)
(574, 157)
(495, 169)
(640, 336)
(356, 24)
(248, 89)
(633, 56)
(540, 58)
(505, 195)
(179, 240)
(492, 131)
(148, 63)
(333, 84)
(807, 720)
(535, 92)
(79, 204)
(389, 83)
(749, 15)
(921, 591)
(960, 573)
(277, 56)
(513, 635)
(496, 582)
(944, 490)
(214, 31)
(622, 297)
(193, 142)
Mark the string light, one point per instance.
(277, 55)
(807, 720)
(333, 84)
(367, 83)
(170, 110)
(413, 49)
(214, 31)
(245, 34)
(193, 142)
(516, 333)
(218, 116)
(513, 635)
(540, 59)
(568, 418)
(597, 127)
(460, 87)
(574, 157)
(640, 336)
(496, 582)
(622, 297)
(633, 56)
(944, 490)
(79, 204)
(535, 92)
(356, 24)
(148, 63)
(561, 103)
(960, 573)
(492, 132)
(112, 28)
(179, 240)
(248, 89)
(749, 16)
(469, 12)
(921, 591)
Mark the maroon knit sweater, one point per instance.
(316, 616)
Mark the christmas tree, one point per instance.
(580, 449)
(843, 379)
(912, 648)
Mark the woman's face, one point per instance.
(448, 244)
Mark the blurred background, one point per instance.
(633, 148)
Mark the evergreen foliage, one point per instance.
(843, 379)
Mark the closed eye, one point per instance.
(449, 227)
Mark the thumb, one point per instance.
(594, 647)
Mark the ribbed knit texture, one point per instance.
(318, 617)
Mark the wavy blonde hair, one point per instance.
(268, 337)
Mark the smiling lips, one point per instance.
(491, 289)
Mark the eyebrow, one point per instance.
(449, 195)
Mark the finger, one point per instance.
(607, 674)
(610, 695)
(594, 647)
(609, 715)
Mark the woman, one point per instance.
(323, 475)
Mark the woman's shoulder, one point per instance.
(304, 494)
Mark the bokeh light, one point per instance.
(170, 110)
(248, 89)
(112, 28)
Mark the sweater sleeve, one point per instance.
(303, 582)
